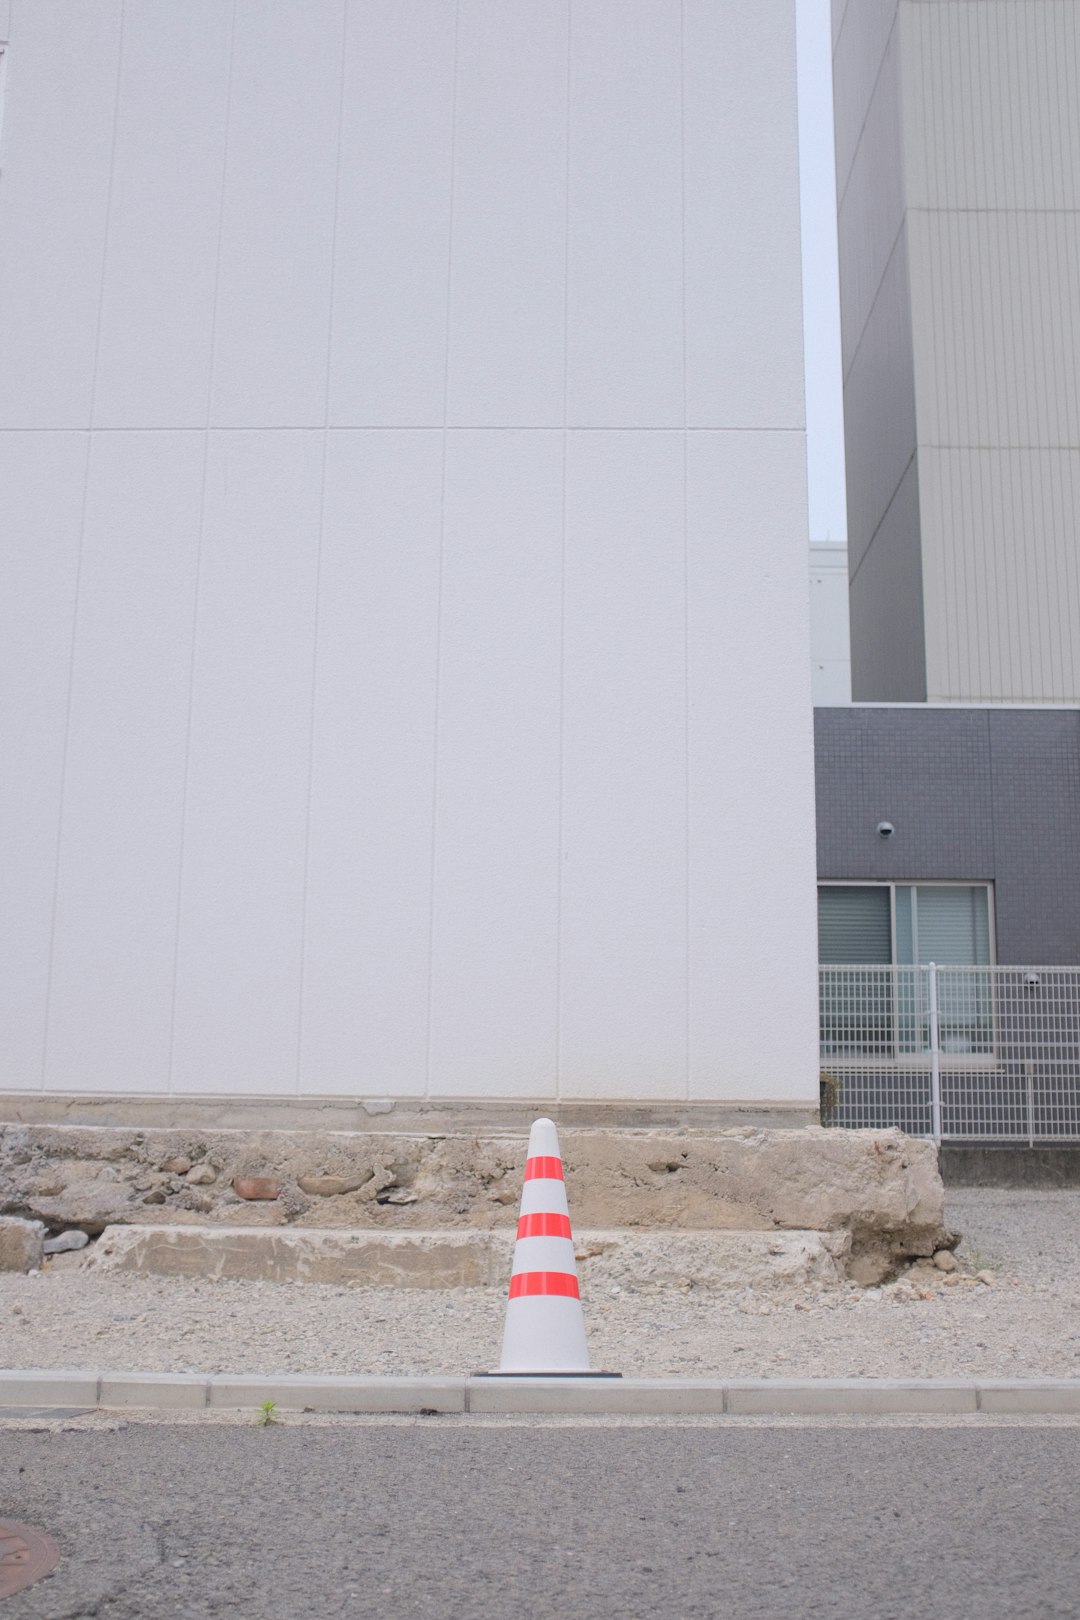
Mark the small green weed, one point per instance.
(267, 1414)
(978, 1261)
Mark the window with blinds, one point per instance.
(952, 925)
(854, 925)
(878, 924)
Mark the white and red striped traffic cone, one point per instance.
(545, 1326)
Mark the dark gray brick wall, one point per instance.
(976, 796)
(1035, 793)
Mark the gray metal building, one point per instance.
(958, 179)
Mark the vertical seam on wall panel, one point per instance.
(442, 551)
(199, 542)
(69, 703)
(560, 815)
(685, 550)
(319, 547)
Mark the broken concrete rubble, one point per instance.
(65, 1242)
(881, 1188)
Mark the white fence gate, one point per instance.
(956, 1053)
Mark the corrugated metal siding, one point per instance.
(998, 335)
(1002, 591)
(992, 144)
(991, 111)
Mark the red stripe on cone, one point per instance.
(543, 1169)
(544, 1226)
(544, 1282)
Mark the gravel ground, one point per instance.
(1026, 1324)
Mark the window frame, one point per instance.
(892, 884)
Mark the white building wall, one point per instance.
(407, 638)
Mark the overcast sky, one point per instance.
(824, 421)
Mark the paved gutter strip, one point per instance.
(640, 1396)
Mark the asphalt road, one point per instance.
(523, 1523)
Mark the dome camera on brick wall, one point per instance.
(885, 829)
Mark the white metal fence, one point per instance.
(956, 1053)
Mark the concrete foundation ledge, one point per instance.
(464, 1259)
(273, 1254)
(876, 1193)
(643, 1397)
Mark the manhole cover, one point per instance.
(26, 1555)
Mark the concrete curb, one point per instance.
(657, 1397)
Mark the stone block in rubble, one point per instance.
(20, 1244)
